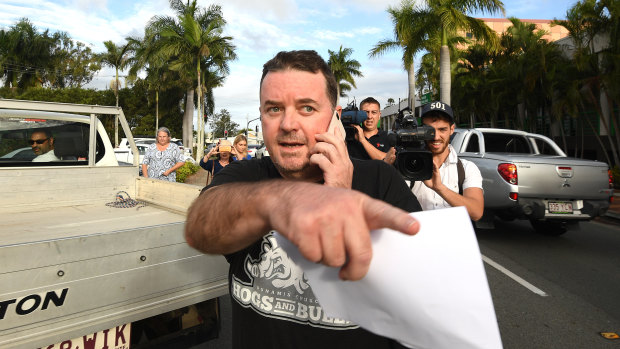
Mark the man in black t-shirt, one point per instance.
(310, 192)
(370, 142)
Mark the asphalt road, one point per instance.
(565, 290)
(548, 292)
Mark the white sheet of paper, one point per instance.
(426, 291)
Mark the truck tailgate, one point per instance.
(561, 178)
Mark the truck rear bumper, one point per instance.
(581, 209)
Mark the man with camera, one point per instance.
(370, 142)
(454, 182)
(311, 193)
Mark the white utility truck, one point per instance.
(91, 255)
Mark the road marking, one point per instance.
(514, 276)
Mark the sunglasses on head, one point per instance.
(38, 141)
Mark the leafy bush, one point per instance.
(186, 170)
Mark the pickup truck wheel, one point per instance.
(554, 228)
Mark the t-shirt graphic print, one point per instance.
(279, 289)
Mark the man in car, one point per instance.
(310, 192)
(42, 144)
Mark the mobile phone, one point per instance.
(335, 123)
(224, 148)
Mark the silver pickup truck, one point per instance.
(528, 176)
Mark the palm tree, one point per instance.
(344, 70)
(428, 75)
(189, 41)
(449, 17)
(117, 57)
(408, 36)
(26, 55)
(213, 75)
(158, 76)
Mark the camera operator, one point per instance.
(370, 142)
(455, 182)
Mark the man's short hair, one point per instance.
(371, 101)
(303, 60)
(47, 131)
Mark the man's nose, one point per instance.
(290, 120)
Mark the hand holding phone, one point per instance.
(331, 155)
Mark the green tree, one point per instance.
(344, 70)
(117, 57)
(32, 58)
(74, 64)
(594, 29)
(191, 41)
(409, 36)
(221, 122)
(26, 55)
(449, 17)
(158, 76)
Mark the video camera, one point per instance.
(351, 115)
(413, 160)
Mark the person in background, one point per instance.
(371, 142)
(224, 157)
(446, 188)
(240, 148)
(42, 144)
(162, 158)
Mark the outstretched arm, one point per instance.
(329, 225)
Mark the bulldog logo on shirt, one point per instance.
(278, 288)
(275, 265)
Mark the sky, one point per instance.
(259, 29)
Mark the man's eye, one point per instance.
(308, 109)
(274, 109)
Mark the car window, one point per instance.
(506, 143)
(142, 149)
(54, 142)
(544, 147)
(472, 145)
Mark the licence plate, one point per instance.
(560, 207)
(114, 338)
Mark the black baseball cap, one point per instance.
(438, 107)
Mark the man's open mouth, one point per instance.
(290, 144)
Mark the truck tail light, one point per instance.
(611, 179)
(514, 196)
(508, 172)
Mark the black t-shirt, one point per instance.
(273, 304)
(379, 141)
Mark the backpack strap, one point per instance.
(461, 171)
